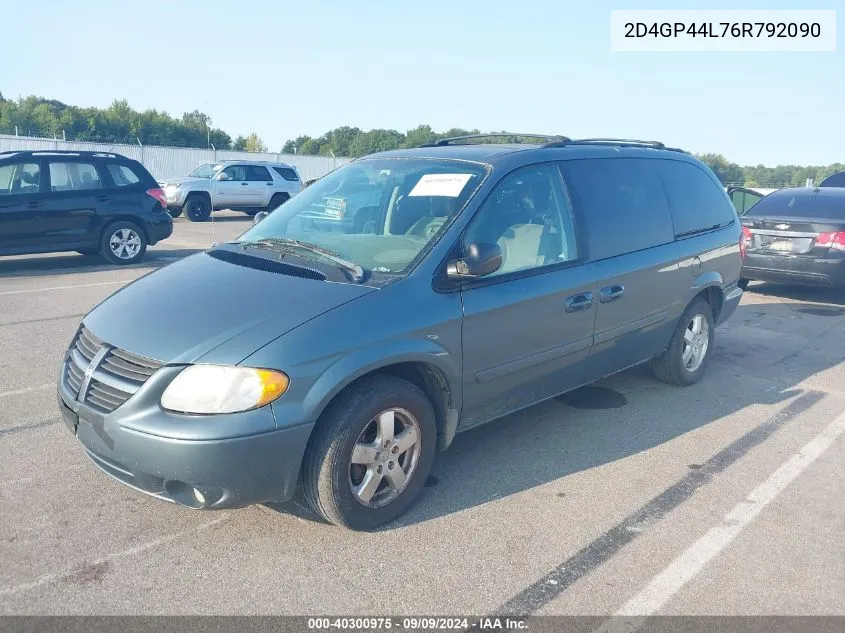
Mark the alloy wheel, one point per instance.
(384, 457)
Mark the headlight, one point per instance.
(222, 389)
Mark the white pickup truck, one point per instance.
(248, 186)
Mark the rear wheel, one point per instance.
(197, 207)
(123, 243)
(743, 284)
(371, 453)
(174, 212)
(277, 200)
(684, 360)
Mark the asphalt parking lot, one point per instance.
(630, 496)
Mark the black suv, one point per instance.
(89, 202)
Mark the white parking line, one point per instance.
(684, 568)
(99, 283)
(18, 392)
(49, 578)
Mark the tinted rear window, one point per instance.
(697, 202)
(814, 206)
(287, 173)
(622, 202)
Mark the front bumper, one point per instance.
(828, 272)
(215, 473)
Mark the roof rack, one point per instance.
(61, 152)
(620, 142)
(452, 140)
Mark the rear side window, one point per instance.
(122, 175)
(74, 177)
(697, 202)
(19, 178)
(814, 206)
(256, 172)
(287, 173)
(622, 202)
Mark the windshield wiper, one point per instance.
(285, 244)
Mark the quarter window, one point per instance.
(74, 177)
(697, 202)
(529, 217)
(122, 175)
(287, 173)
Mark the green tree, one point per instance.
(118, 123)
(240, 144)
(294, 146)
(254, 143)
(726, 171)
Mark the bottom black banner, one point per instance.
(534, 624)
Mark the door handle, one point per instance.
(612, 293)
(244, 184)
(103, 198)
(269, 184)
(579, 302)
(33, 205)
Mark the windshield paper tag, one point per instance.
(449, 185)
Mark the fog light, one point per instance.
(199, 496)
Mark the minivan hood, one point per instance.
(204, 309)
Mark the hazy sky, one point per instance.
(283, 68)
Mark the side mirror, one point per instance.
(259, 216)
(482, 258)
(222, 176)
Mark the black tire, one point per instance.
(669, 367)
(197, 207)
(174, 212)
(277, 200)
(364, 223)
(743, 284)
(327, 472)
(132, 238)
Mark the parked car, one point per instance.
(797, 236)
(248, 186)
(834, 180)
(344, 361)
(90, 202)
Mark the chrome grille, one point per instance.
(117, 376)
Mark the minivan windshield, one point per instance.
(206, 170)
(378, 214)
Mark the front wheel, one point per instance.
(123, 243)
(197, 207)
(371, 453)
(684, 360)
